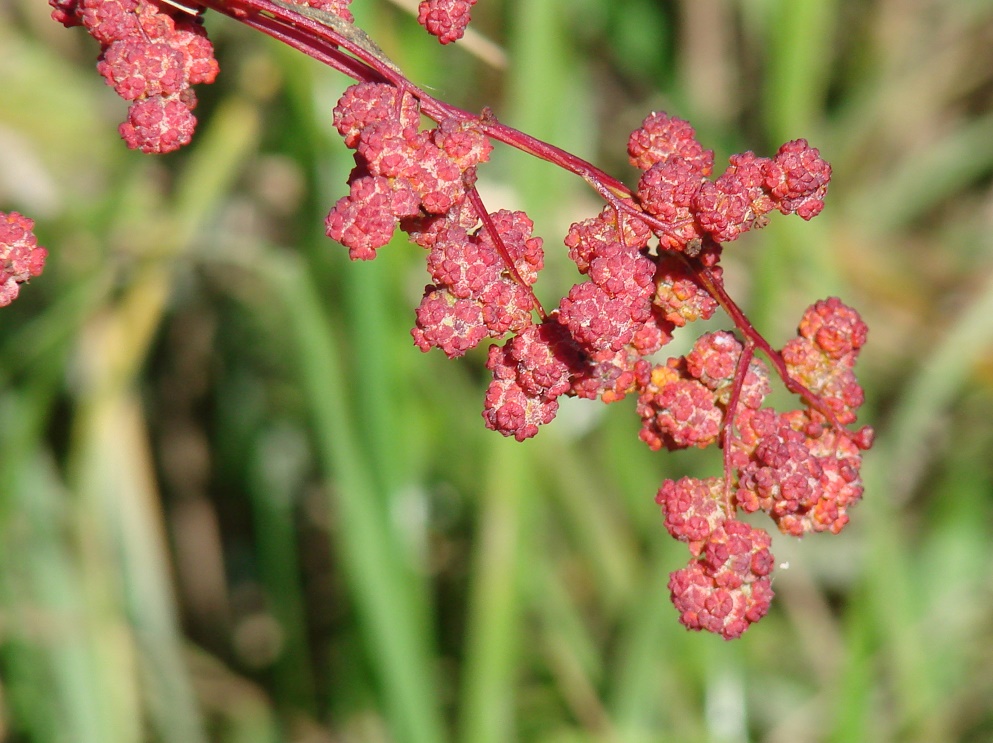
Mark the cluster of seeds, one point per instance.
(446, 19)
(150, 55)
(642, 281)
(20, 255)
(650, 262)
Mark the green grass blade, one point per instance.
(379, 581)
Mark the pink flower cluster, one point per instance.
(675, 187)
(646, 273)
(649, 261)
(798, 467)
(726, 586)
(151, 58)
(401, 172)
(446, 19)
(20, 255)
(685, 401)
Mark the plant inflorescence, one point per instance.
(20, 255)
(650, 261)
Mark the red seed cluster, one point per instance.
(446, 19)
(822, 357)
(796, 466)
(685, 401)
(691, 208)
(151, 58)
(642, 280)
(727, 588)
(661, 137)
(649, 262)
(726, 585)
(20, 255)
(472, 296)
(804, 474)
(401, 172)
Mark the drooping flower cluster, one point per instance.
(685, 402)
(798, 467)
(801, 467)
(150, 57)
(650, 262)
(646, 272)
(726, 586)
(446, 19)
(20, 255)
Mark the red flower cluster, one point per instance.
(446, 19)
(647, 272)
(726, 586)
(798, 467)
(675, 188)
(151, 59)
(20, 255)
(650, 262)
(685, 401)
(400, 172)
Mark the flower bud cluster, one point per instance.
(645, 274)
(446, 19)
(401, 172)
(676, 189)
(649, 261)
(472, 296)
(685, 401)
(20, 255)
(798, 467)
(151, 58)
(726, 586)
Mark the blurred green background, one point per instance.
(237, 504)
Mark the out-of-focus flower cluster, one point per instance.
(20, 255)
(150, 55)
(446, 19)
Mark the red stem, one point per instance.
(727, 431)
(715, 287)
(324, 44)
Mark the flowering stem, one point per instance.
(346, 49)
(329, 45)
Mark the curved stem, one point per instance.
(334, 47)
(345, 53)
(715, 287)
(347, 49)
